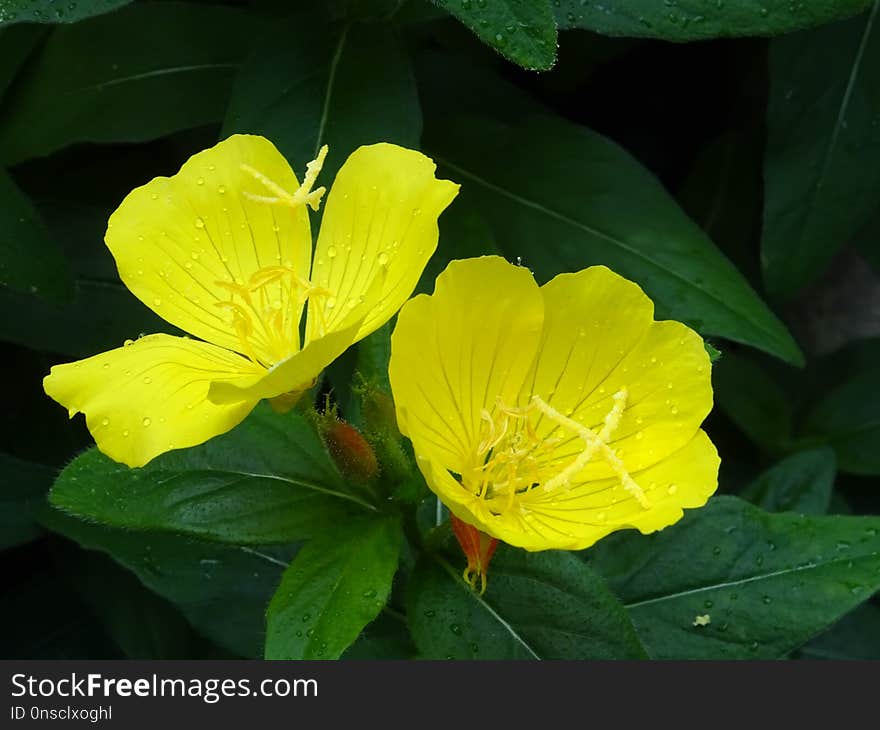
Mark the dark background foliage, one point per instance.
(726, 156)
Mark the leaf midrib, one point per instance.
(745, 581)
(168, 71)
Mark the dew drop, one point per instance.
(332, 252)
(147, 380)
(146, 422)
(105, 421)
(200, 181)
(672, 489)
(157, 302)
(221, 189)
(200, 223)
(383, 259)
(125, 433)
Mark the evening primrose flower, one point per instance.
(548, 417)
(223, 251)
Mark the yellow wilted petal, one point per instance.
(453, 354)
(380, 222)
(150, 396)
(188, 243)
(601, 342)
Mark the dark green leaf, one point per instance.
(753, 400)
(45, 619)
(800, 483)
(139, 74)
(855, 636)
(867, 241)
(269, 480)
(16, 44)
(386, 638)
(575, 192)
(523, 31)
(54, 11)
(22, 485)
(822, 167)
(690, 20)
(309, 84)
(30, 261)
(101, 316)
(463, 234)
(335, 586)
(848, 419)
(143, 625)
(223, 590)
(546, 605)
(763, 584)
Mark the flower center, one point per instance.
(266, 312)
(513, 459)
(266, 309)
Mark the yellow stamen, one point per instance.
(510, 448)
(303, 195)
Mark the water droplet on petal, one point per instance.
(146, 422)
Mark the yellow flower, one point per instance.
(223, 251)
(548, 417)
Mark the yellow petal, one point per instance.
(150, 396)
(601, 346)
(176, 237)
(578, 517)
(380, 222)
(454, 353)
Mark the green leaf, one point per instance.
(269, 480)
(523, 31)
(143, 625)
(47, 620)
(765, 583)
(101, 316)
(848, 419)
(800, 483)
(754, 401)
(822, 165)
(335, 586)
(140, 74)
(546, 605)
(690, 20)
(575, 192)
(30, 261)
(855, 636)
(54, 11)
(16, 44)
(22, 485)
(386, 638)
(222, 590)
(867, 241)
(309, 84)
